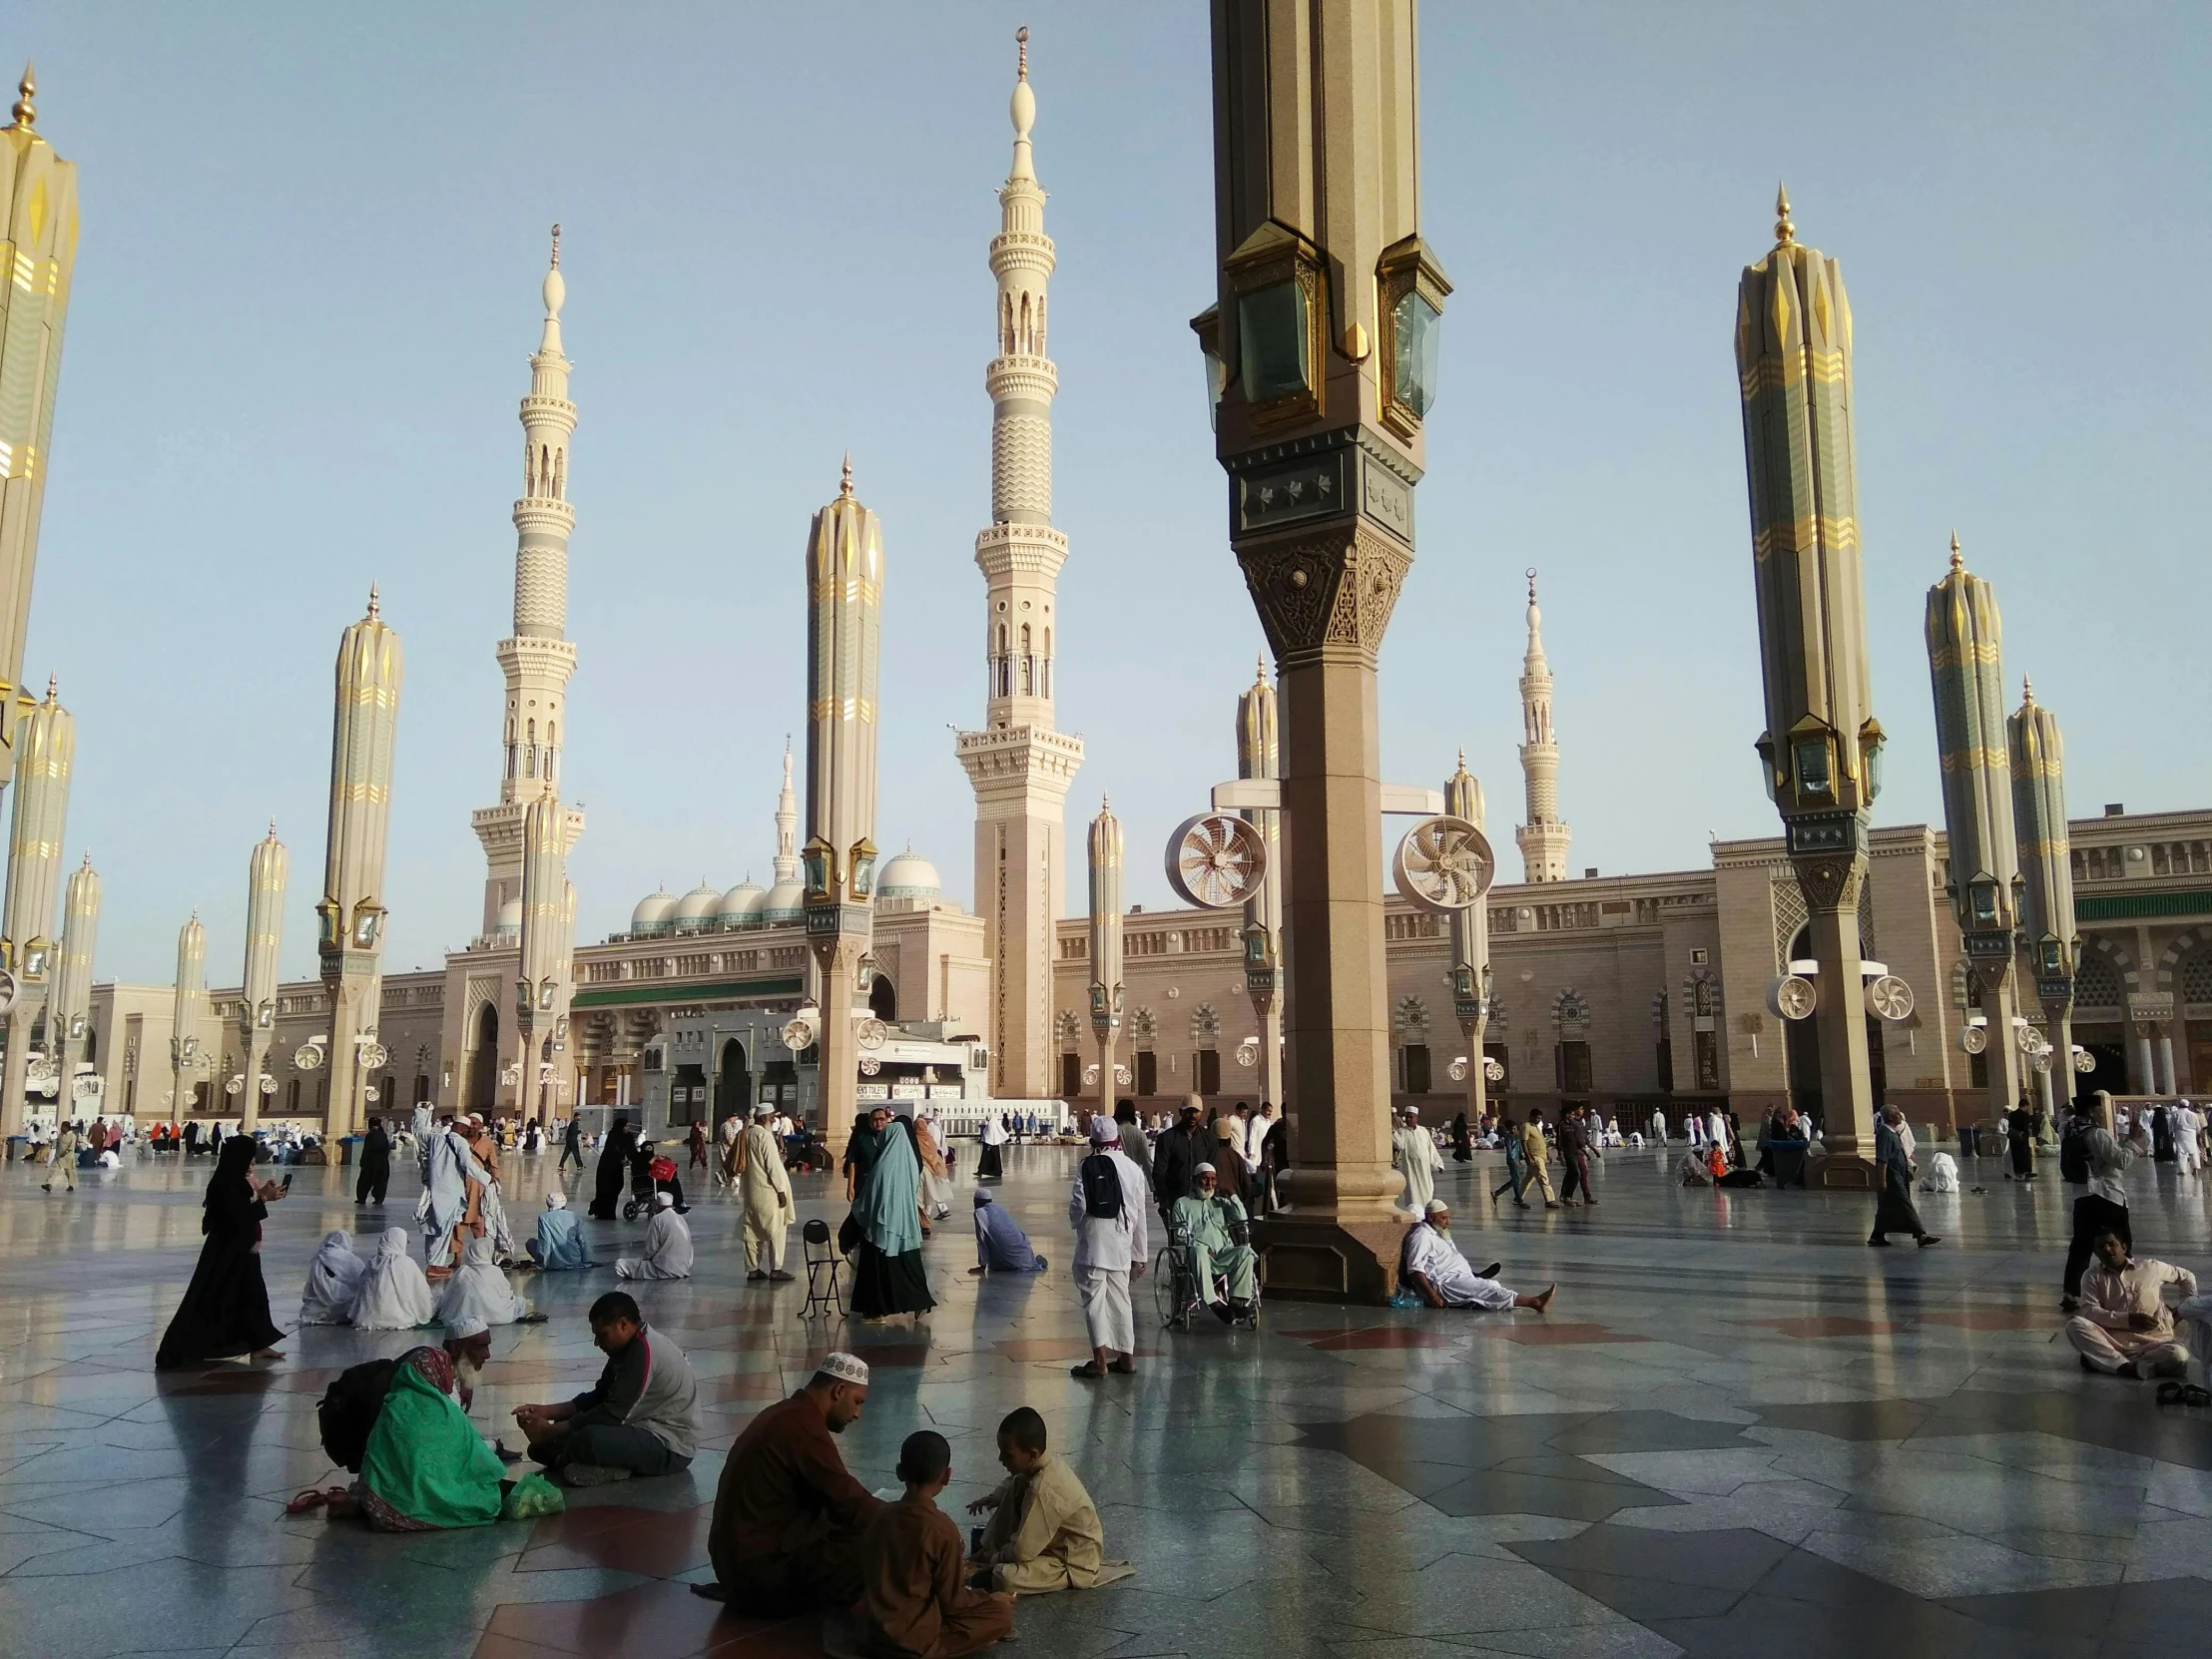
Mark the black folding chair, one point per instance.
(822, 1297)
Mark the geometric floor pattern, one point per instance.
(1739, 1432)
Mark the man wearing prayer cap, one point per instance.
(1414, 1154)
(785, 1534)
(468, 1345)
(1107, 1210)
(1000, 1244)
(1212, 1224)
(559, 1245)
(767, 1191)
(1432, 1265)
(668, 1246)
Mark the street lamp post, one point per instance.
(1322, 353)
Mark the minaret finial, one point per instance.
(1021, 48)
(2027, 689)
(556, 248)
(272, 832)
(1784, 232)
(1958, 562)
(53, 688)
(26, 115)
(372, 608)
(1463, 760)
(1530, 573)
(844, 488)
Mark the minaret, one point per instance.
(1965, 665)
(1258, 757)
(786, 826)
(350, 915)
(2039, 766)
(844, 619)
(1105, 848)
(38, 205)
(73, 974)
(1822, 745)
(186, 999)
(45, 756)
(268, 872)
(1543, 839)
(1020, 766)
(542, 985)
(539, 657)
(1471, 945)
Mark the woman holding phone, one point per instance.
(225, 1313)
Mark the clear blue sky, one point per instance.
(306, 290)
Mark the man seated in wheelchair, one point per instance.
(1214, 1226)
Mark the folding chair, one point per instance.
(822, 1259)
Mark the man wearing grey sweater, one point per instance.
(641, 1417)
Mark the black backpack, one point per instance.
(1101, 1186)
(349, 1408)
(2073, 1155)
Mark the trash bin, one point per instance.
(19, 1149)
(346, 1144)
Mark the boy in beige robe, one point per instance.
(1045, 1533)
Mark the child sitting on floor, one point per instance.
(1044, 1532)
(914, 1604)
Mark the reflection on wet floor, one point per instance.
(1735, 1422)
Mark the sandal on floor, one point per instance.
(2191, 1395)
(1088, 1370)
(2169, 1394)
(307, 1501)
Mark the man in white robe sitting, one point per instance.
(1434, 1267)
(668, 1244)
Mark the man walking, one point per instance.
(1106, 1209)
(1893, 1212)
(1536, 1158)
(375, 1165)
(64, 1157)
(767, 1191)
(1413, 1155)
(1176, 1159)
(572, 1148)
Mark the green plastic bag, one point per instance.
(531, 1496)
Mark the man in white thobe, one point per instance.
(1110, 1250)
(2123, 1326)
(1413, 1155)
(668, 1244)
(767, 1191)
(444, 1195)
(1435, 1267)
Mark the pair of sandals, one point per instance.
(2173, 1393)
(1089, 1371)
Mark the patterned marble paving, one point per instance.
(1739, 1432)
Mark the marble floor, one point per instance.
(1739, 1432)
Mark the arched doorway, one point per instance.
(733, 1083)
(883, 1000)
(483, 1061)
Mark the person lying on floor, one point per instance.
(1432, 1264)
(2124, 1328)
(1045, 1533)
(641, 1417)
(916, 1600)
(1000, 1244)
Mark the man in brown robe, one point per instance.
(788, 1517)
(912, 1573)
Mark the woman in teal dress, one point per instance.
(887, 1275)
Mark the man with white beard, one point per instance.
(1432, 1263)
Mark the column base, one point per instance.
(1325, 1258)
(1848, 1172)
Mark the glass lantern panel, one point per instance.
(1811, 767)
(1872, 754)
(1272, 337)
(1414, 328)
(1217, 382)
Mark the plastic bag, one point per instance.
(1403, 1298)
(531, 1496)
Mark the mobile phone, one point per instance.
(288, 1182)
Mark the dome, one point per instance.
(698, 905)
(786, 901)
(741, 905)
(908, 876)
(652, 913)
(510, 920)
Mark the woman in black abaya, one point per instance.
(225, 1312)
(613, 1169)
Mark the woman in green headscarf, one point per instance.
(426, 1467)
(887, 1275)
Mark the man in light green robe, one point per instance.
(1206, 1218)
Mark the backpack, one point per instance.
(2073, 1156)
(349, 1408)
(1102, 1195)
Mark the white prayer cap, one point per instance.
(556, 1201)
(665, 1200)
(1206, 1169)
(1437, 1206)
(846, 1368)
(1104, 1129)
(763, 1111)
(1412, 1112)
(468, 1325)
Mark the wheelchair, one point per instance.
(1175, 1290)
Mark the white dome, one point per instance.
(696, 906)
(652, 913)
(908, 876)
(786, 901)
(510, 918)
(742, 903)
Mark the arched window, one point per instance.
(1028, 662)
(530, 757)
(1038, 345)
(1026, 341)
(1006, 324)
(560, 475)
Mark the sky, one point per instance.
(306, 292)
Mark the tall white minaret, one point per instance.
(786, 826)
(1543, 839)
(538, 659)
(1021, 767)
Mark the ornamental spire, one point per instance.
(26, 113)
(1784, 232)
